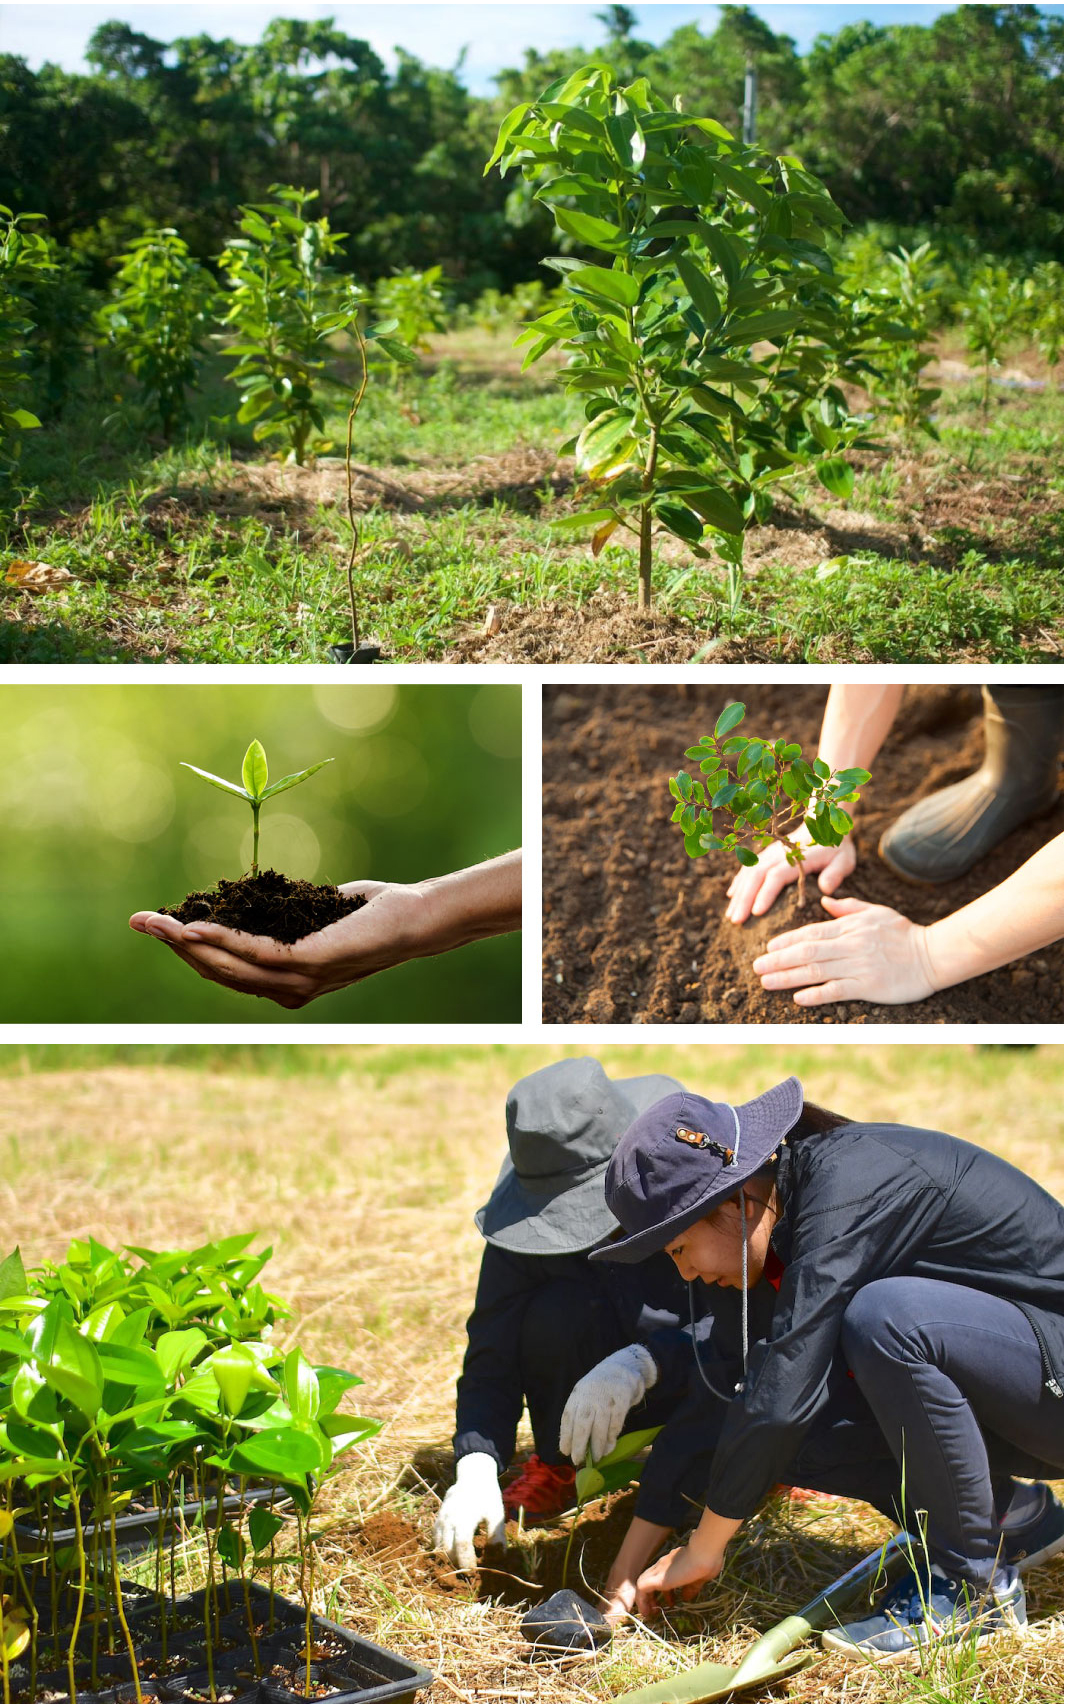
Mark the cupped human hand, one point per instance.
(678, 1574)
(397, 923)
(755, 888)
(618, 1601)
(867, 952)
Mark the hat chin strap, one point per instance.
(743, 1299)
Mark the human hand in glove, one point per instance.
(474, 1497)
(595, 1410)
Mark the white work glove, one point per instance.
(595, 1410)
(474, 1497)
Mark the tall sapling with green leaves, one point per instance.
(707, 255)
(773, 795)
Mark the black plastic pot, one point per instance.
(352, 654)
(137, 1532)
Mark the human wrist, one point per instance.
(935, 956)
(467, 905)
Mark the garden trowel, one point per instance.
(777, 1653)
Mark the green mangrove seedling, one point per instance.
(612, 1472)
(256, 788)
(773, 794)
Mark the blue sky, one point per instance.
(494, 35)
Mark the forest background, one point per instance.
(950, 131)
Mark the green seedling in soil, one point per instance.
(158, 321)
(256, 787)
(612, 1472)
(773, 794)
(706, 251)
(992, 311)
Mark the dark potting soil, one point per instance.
(267, 904)
(634, 930)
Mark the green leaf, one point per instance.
(176, 1350)
(597, 233)
(746, 856)
(301, 1386)
(506, 130)
(216, 780)
(725, 794)
(837, 476)
(262, 1528)
(617, 287)
(254, 772)
(288, 781)
(231, 1547)
(851, 778)
(589, 1483)
(629, 1445)
(716, 508)
(590, 518)
(280, 1453)
(136, 1367)
(67, 1361)
(729, 718)
(12, 1276)
(700, 289)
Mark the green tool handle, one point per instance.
(821, 1611)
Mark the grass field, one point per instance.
(210, 552)
(363, 1166)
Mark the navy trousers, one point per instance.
(937, 1387)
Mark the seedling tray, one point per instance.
(137, 1532)
(352, 1670)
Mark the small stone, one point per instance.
(732, 996)
(559, 979)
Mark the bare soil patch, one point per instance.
(634, 929)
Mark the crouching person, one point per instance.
(543, 1315)
(894, 1334)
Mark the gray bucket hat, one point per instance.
(563, 1123)
(684, 1156)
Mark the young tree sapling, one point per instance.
(256, 788)
(773, 795)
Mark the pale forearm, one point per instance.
(637, 1547)
(1019, 916)
(856, 723)
(712, 1534)
(468, 905)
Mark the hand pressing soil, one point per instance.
(267, 904)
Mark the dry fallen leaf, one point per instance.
(36, 576)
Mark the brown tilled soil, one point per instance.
(634, 930)
(267, 904)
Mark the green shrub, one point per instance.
(159, 319)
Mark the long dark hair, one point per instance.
(815, 1120)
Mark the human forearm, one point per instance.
(856, 723)
(1019, 916)
(469, 905)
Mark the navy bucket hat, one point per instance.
(563, 1123)
(683, 1157)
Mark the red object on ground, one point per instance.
(540, 1489)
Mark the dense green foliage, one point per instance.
(704, 249)
(770, 794)
(954, 127)
(153, 1377)
(158, 319)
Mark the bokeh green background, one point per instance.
(98, 820)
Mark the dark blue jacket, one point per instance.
(860, 1203)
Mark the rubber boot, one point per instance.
(942, 836)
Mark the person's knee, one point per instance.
(880, 1325)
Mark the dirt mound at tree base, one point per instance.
(634, 930)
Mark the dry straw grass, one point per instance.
(363, 1167)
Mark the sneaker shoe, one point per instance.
(912, 1617)
(540, 1489)
(1026, 1544)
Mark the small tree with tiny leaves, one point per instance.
(772, 794)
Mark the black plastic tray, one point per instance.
(360, 1673)
(137, 1533)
